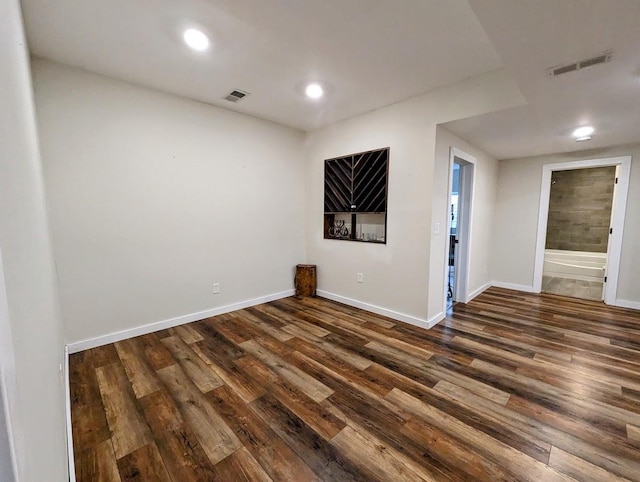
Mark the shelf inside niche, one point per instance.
(366, 227)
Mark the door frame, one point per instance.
(618, 212)
(465, 224)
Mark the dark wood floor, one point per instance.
(512, 386)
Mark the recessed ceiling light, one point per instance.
(314, 91)
(583, 138)
(196, 39)
(585, 131)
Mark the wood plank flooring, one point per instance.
(511, 386)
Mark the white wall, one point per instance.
(484, 198)
(31, 348)
(154, 198)
(9, 411)
(396, 275)
(516, 220)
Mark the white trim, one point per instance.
(464, 259)
(513, 286)
(447, 241)
(465, 222)
(412, 320)
(7, 369)
(477, 292)
(9, 426)
(170, 323)
(67, 386)
(617, 218)
(434, 320)
(634, 305)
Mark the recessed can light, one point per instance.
(314, 91)
(196, 39)
(584, 131)
(583, 138)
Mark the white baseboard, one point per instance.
(180, 320)
(634, 305)
(67, 398)
(480, 290)
(412, 320)
(434, 320)
(512, 286)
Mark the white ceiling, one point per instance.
(368, 53)
(531, 36)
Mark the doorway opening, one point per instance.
(459, 215)
(580, 228)
(453, 229)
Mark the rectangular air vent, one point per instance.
(236, 95)
(602, 58)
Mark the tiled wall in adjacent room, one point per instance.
(580, 209)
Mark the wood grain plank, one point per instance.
(589, 443)
(143, 465)
(309, 385)
(309, 328)
(453, 453)
(241, 466)
(255, 318)
(142, 378)
(370, 455)
(633, 432)
(309, 389)
(610, 411)
(229, 373)
(399, 355)
(155, 352)
(214, 435)
(578, 468)
(513, 460)
(89, 422)
(348, 356)
(312, 414)
(325, 461)
(273, 454)
(183, 456)
(188, 334)
(128, 429)
(200, 373)
(97, 464)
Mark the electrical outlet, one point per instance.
(436, 228)
(360, 278)
(216, 288)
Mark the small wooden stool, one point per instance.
(306, 281)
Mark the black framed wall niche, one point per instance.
(355, 196)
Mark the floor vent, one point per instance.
(236, 95)
(602, 58)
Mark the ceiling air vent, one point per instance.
(602, 58)
(236, 95)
